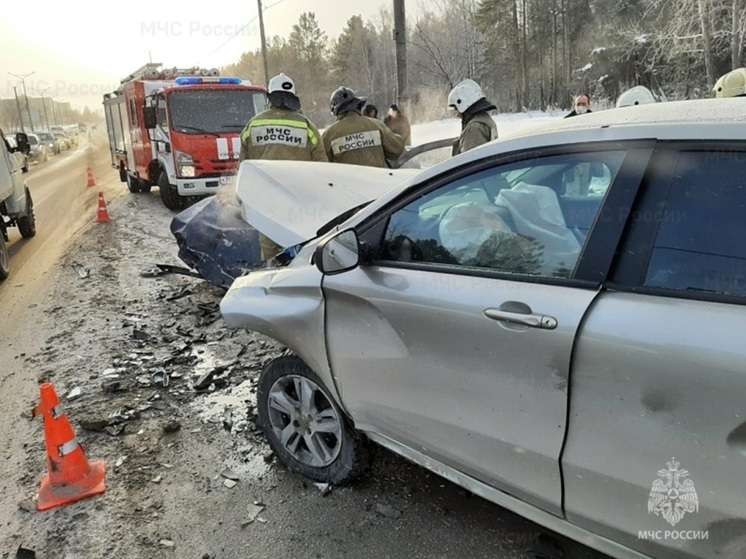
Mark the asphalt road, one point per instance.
(63, 204)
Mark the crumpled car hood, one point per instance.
(289, 201)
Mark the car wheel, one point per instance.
(27, 222)
(169, 195)
(4, 259)
(305, 427)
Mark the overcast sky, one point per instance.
(81, 49)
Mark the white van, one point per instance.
(16, 205)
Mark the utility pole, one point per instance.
(400, 39)
(264, 42)
(18, 104)
(28, 108)
(44, 104)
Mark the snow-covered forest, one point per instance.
(527, 54)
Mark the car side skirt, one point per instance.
(509, 502)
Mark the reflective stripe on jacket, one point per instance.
(281, 134)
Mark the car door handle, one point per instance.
(533, 320)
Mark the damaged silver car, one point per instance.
(552, 321)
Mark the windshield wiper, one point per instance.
(236, 126)
(183, 126)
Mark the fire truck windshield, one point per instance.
(213, 111)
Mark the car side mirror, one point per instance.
(22, 141)
(338, 254)
(150, 117)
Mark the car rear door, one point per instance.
(456, 342)
(656, 449)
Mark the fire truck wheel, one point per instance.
(169, 195)
(133, 184)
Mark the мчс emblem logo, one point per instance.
(672, 496)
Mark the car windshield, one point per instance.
(33, 140)
(45, 137)
(193, 112)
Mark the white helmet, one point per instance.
(464, 95)
(281, 82)
(732, 84)
(638, 95)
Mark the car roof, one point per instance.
(704, 119)
(724, 118)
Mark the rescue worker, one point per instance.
(732, 84)
(638, 95)
(281, 132)
(356, 139)
(371, 111)
(581, 105)
(477, 126)
(399, 124)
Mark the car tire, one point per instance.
(292, 399)
(169, 195)
(4, 259)
(27, 222)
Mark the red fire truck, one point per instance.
(179, 130)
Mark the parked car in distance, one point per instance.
(39, 150)
(52, 143)
(72, 135)
(551, 320)
(20, 157)
(63, 140)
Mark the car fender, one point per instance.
(286, 304)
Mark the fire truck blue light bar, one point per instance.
(196, 81)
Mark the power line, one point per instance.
(229, 39)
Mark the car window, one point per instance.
(527, 217)
(700, 245)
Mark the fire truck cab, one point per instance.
(179, 130)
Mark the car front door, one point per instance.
(456, 341)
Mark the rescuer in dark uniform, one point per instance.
(356, 139)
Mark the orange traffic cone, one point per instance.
(103, 213)
(71, 477)
(91, 180)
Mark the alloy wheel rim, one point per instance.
(304, 421)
